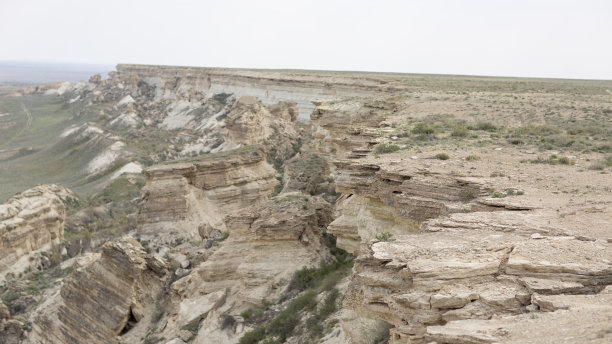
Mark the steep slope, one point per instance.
(105, 297)
(31, 221)
(191, 199)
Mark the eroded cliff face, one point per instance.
(269, 86)
(104, 299)
(394, 201)
(30, 221)
(458, 238)
(267, 243)
(441, 261)
(349, 128)
(190, 200)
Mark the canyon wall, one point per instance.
(104, 298)
(31, 220)
(191, 199)
(271, 87)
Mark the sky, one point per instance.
(536, 38)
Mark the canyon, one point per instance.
(215, 205)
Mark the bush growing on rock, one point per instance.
(384, 148)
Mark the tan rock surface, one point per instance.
(180, 198)
(266, 245)
(31, 220)
(104, 299)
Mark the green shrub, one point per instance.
(253, 337)
(486, 126)
(314, 323)
(467, 196)
(442, 156)
(460, 131)
(472, 158)
(384, 148)
(384, 236)
(423, 128)
(222, 97)
(498, 195)
(552, 160)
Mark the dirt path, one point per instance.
(22, 130)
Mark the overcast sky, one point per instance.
(556, 38)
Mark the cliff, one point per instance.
(270, 86)
(30, 221)
(104, 299)
(267, 243)
(440, 260)
(182, 197)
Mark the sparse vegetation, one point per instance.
(460, 131)
(498, 195)
(309, 282)
(384, 236)
(423, 128)
(384, 148)
(442, 156)
(552, 160)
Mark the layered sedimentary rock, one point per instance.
(266, 245)
(379, 200)
(452, 265)
(250, 122)
(182, 197)
(430, 279)
(104, 299)
(349, 128)
(11, 330)
(31, 220)
(270, 86)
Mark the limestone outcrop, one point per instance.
(267, 243)
(441, 261)
(11, 330)
(104, 299)
(395, 201)
(269, 86)
(183, 197)
(31, 220)
(349, 128)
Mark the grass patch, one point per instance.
(384, 236)
(552, 160)
(423, 128)
(385, 148)
(460, 131)
(310, 282)
(442, 156)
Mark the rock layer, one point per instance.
(267, 243)
(395, 201)
(453, 263)
(182, 197)
(104, 298)
(30, 221)
(269, 86)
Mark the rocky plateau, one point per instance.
(244, 206)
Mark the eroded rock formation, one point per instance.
(270, 86)
(183, 197)
(442, 262)
(105, 298)
(267, 243)
(395, 201)
(31, 220)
